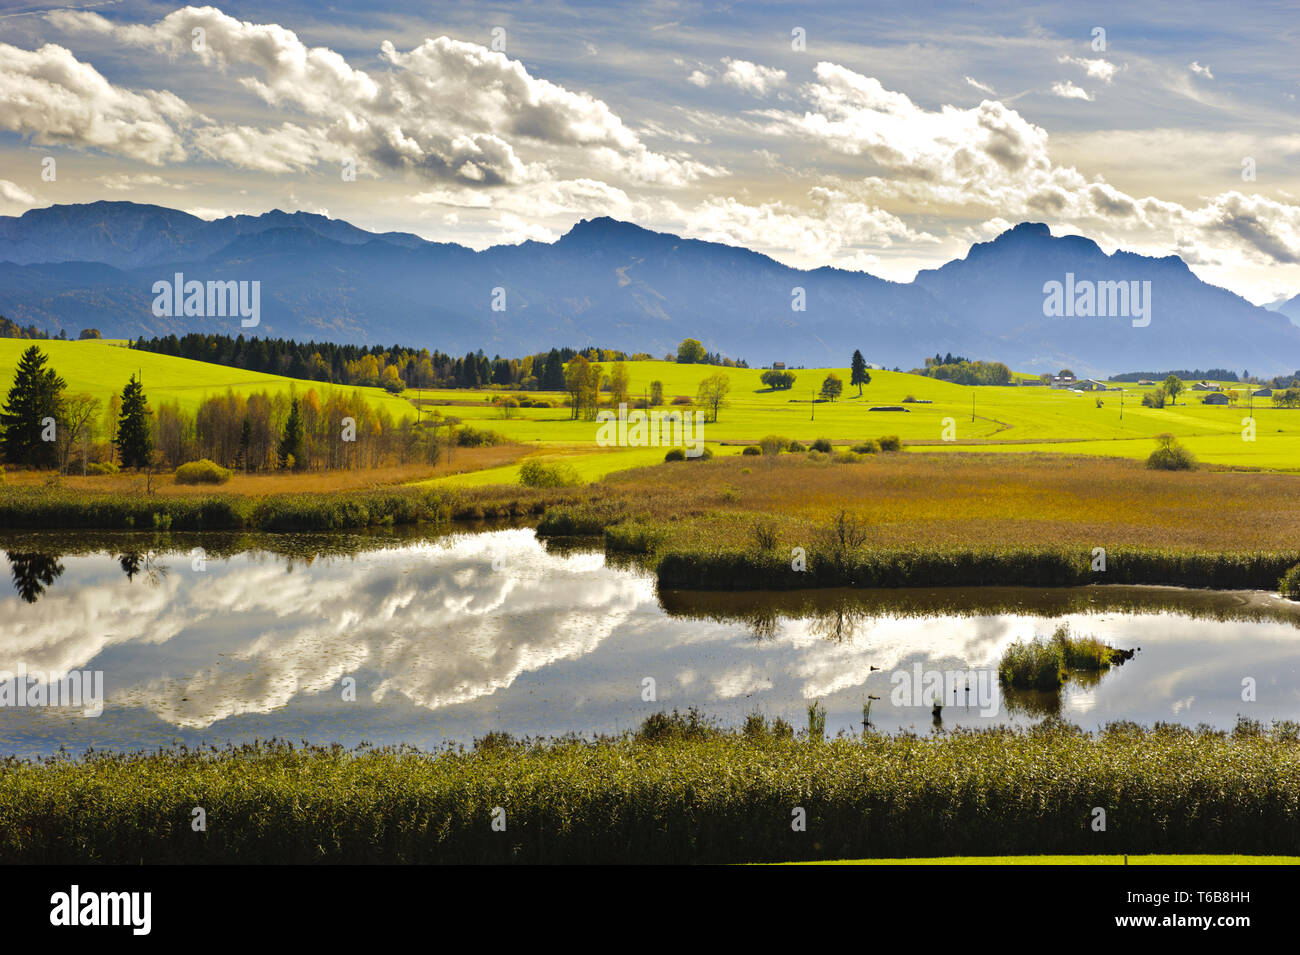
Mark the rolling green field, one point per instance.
(1011, 418)
(103, 367)
(1014, 418)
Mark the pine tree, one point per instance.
(291, 443)
(858, 371)
(36, 395)
(553, 372)
(134, 440)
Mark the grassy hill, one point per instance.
(1014, 418)
(103, 367)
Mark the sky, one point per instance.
(884, 138)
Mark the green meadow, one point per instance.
(103, 367)
(1013, 418)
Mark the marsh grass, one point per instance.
(1289, 585)
(1032, 665)
(685, 792)
(1047, 663)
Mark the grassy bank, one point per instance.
(61, 508)
(754, 569)
(792, 522)
(699, 795)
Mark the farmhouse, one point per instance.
(778, 366)
(1262, 393)
(1204, 386)
(1217, 398)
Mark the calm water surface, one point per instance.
(448, 639)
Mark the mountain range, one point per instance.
(617, 285)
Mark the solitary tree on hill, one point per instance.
(690, 352)
(858, 372)
(712, 395)
(1173, 388)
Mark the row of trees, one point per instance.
(962, 371)
(265, 432)
(691, 351)
(395, 368)
(43, 426)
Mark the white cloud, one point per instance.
(122, 182)
(1200, 70)
(1098, 69)
(288, 148)
(1068, 90)
(830, 229)
(982, 87)
(752, 78)
(446, 109)
(11, 192)
(56, 100)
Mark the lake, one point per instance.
(429, 640)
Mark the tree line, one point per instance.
(43, 426)
(395, 368)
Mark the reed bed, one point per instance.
(752, 569)
(701, 796)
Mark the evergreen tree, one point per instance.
(858, 371)
(553, 374)
(134, 440)
(36, 395)
(291, 443)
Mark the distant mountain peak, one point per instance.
(619, 285)
(1027, 229)
(605, 227)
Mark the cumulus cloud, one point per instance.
(51, 97)
(1068, 90)
(287, 148)
(752, 78)
(446, 109)
(987, 159)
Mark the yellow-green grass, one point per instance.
(1010, 418)
(102, 368)
(1071, 860)
(590, 465)
(1004, 419)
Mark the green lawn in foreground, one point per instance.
(103, 368)
(1071, 860)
